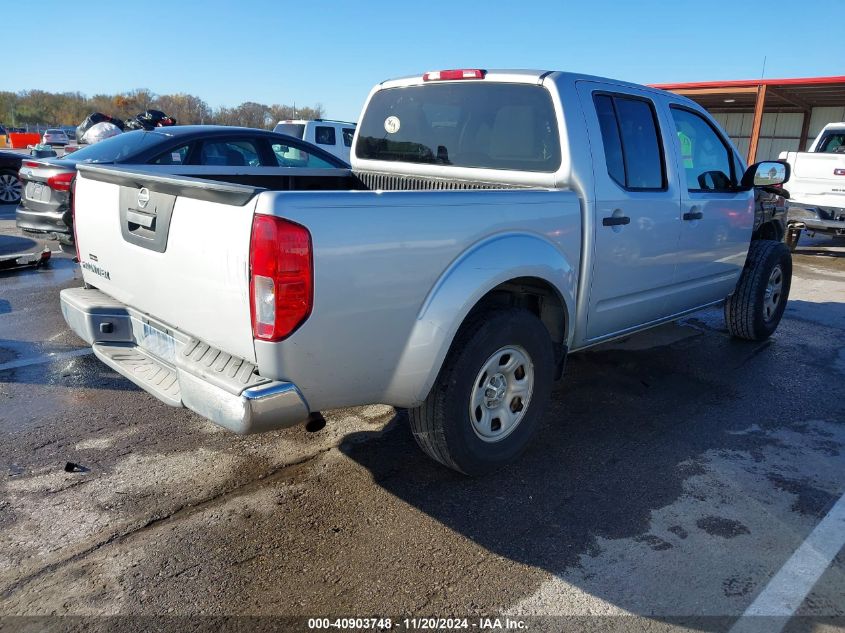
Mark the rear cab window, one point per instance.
(464, 124)
(832, 142)
(296, 130)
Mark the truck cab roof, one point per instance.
(525, 75)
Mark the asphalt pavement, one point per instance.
(681, 479)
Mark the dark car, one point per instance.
(10, 186)
(245, 154)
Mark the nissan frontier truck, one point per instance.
(492, 222)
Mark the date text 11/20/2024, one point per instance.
(417, 624)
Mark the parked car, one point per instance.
(817, 186)
(236, 153)
(333, 136)
(19, 251)
(55, 136)
(492, 223)
(10, 186)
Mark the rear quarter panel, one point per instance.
(382, 261)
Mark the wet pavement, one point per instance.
(676, 473)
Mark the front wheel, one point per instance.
(487, 401)
(756, 306)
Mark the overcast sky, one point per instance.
(334, 52)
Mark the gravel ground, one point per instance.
(675, 474)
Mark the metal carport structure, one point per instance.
(767, 116)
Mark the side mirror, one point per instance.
(768, 173)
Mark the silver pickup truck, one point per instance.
(492, 223)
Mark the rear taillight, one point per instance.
(73, 219)
(281, 279)
(31, 163)
(61, 182)
(463, 73)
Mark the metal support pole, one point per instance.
(805, 131)
(758, 122)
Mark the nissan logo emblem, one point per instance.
(143, 198)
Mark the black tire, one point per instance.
(752, 312)
(10, 187)
(442, 425)
(791, 238)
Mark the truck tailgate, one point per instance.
(175, 249)
(819, 166)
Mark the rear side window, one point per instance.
(348, 134)
(290, 156)
(465, 124)
(706, 158)
(241, 153)
(324, 135)
(631, 140)
(610, 138)
(175, 156)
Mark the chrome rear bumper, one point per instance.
(817, 219)
(52, 222)
(225, 389)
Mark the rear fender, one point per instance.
(468, 279)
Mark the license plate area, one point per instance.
(158, 343)
(37, 192)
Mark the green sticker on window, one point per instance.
(686, 150)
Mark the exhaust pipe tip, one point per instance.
(316, 422)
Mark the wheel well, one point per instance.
(769, 231)
(535, 295)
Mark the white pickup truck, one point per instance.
(817, 186)
(492, 223)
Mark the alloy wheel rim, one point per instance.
(774, 292)
(501, 393)
(10, 188)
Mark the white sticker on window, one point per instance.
(392, 124)
(176, 157)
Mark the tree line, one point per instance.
(38, 107)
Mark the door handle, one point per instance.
(693, 215)
(141, 219)
(616, 220)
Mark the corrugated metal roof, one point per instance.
(802, 93)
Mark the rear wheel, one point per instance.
(10, 188)
(755, 308)
(487, 401)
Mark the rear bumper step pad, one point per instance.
(226, 389)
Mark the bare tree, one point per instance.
(37, 107)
